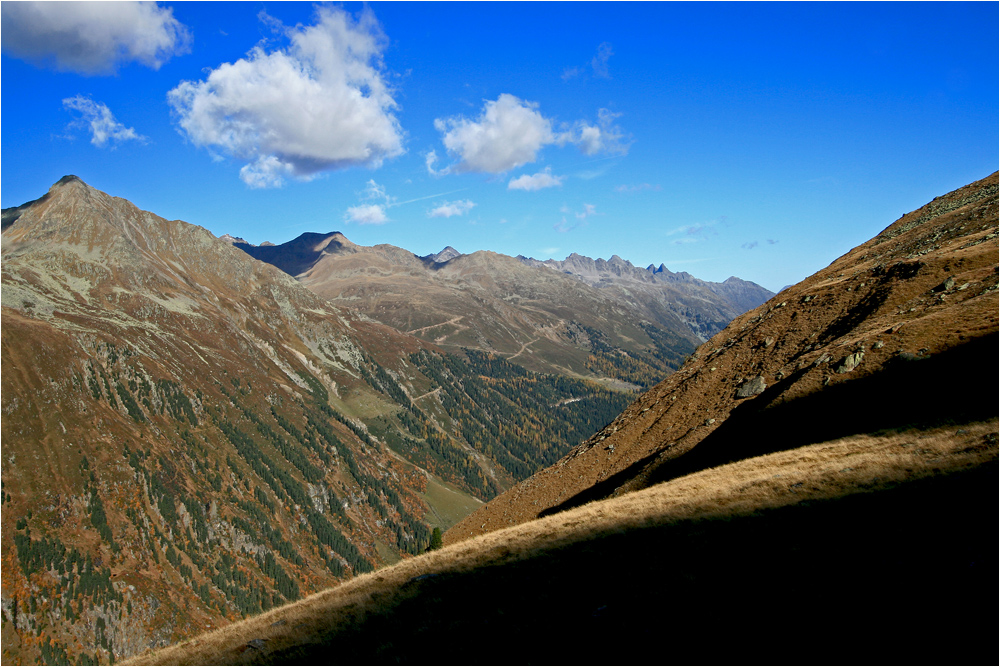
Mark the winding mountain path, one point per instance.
(439, 324)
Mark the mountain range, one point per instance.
(582, 319)
(192, 436)
(817, 483)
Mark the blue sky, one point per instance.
(757, 140)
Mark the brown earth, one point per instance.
(916, 306)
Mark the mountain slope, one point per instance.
(840, 522)
(784, 555)
(162, 394)
(914, 307)
(191, 436)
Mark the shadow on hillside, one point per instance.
(296, 256)
(893, 577)
(925, 393)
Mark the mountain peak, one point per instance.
(447, 254)
(68, 178)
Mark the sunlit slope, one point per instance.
(190, 436)
(535, 316)
(864, 545)
(900, 331)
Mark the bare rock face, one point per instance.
(915, 305)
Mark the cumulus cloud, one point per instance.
(448, 209)
(539, 181)
(319, 104)
(101, 123)
(367, 214)
(507, 134)
(92, 37)
(510, 132)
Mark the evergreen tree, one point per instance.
(436, 542)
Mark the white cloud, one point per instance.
(571, 72)
(697, 232)
(366, 214)
(430, 160)
(265, 172)
(375, 191)
(92, 37)
(448, 209)
(543, 179)
(563, 226)
(103, 126)
(321, 104)
(508, 133)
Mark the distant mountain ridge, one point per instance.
(545, 316)
(600, 273)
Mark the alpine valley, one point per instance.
(196, 430)
(816, 484)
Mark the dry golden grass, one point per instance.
(861, 464)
